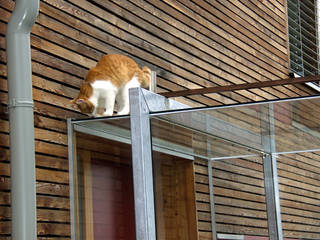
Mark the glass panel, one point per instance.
(300, 194)
(187, 142)
(104, 185)
(239, 197)
(175, 204)
(232, 132)
(238, 178)
(232, 137)
(114, 128)
(297, 125)
(236, 131)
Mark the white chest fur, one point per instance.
(105, 94)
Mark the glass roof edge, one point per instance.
(191, 109)
(157, 102)
(170, 106)
(250, 148)
(73, 121)
(117, 134)
(298, 151)
(238, 156)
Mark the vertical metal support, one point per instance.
(270, 173)
(142, 166)
(153, 82)
(212, 208)
(72, 172)
(211, 187)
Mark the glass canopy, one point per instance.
(215, 133)
(255, 132)
(238, 130)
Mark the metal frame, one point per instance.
(72, 175)
(211, 190)
(142, 167)
(270, 173)
(145, 104)
(142, 102)
(244, 86)
(212, 203)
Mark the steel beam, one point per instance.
(72, 180)
(244, 86)
(211, 187)
(212, 204)
(142, 166)
(270, 173)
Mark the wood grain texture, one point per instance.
(191, 45)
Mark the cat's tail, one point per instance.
(146, 77)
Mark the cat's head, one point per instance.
(82, 100)
(84, 105)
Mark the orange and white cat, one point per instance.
(108, 83)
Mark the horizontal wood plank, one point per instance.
(191, 45)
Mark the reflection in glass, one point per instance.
(184, 142)
(174, 197)
(105, 189)
(299, 194)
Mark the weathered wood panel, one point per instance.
(190, 44)
(240, 203)
(300, 194)
(174, 198)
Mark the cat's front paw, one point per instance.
(123, 112)
(107, 114)
(96, 115)
(104, 114)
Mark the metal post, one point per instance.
(72, 179)
(211, 187)
(212, 208)
(153, 82)
(270, 173)
(142, 166)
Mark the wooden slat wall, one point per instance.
(176, 216)
(190, 44)
(239, 197)
(299, 194)
(105, 188)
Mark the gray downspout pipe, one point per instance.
(20, 104)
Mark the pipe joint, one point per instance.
(15, 102)
(23, 17)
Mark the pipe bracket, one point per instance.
(20, 103)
